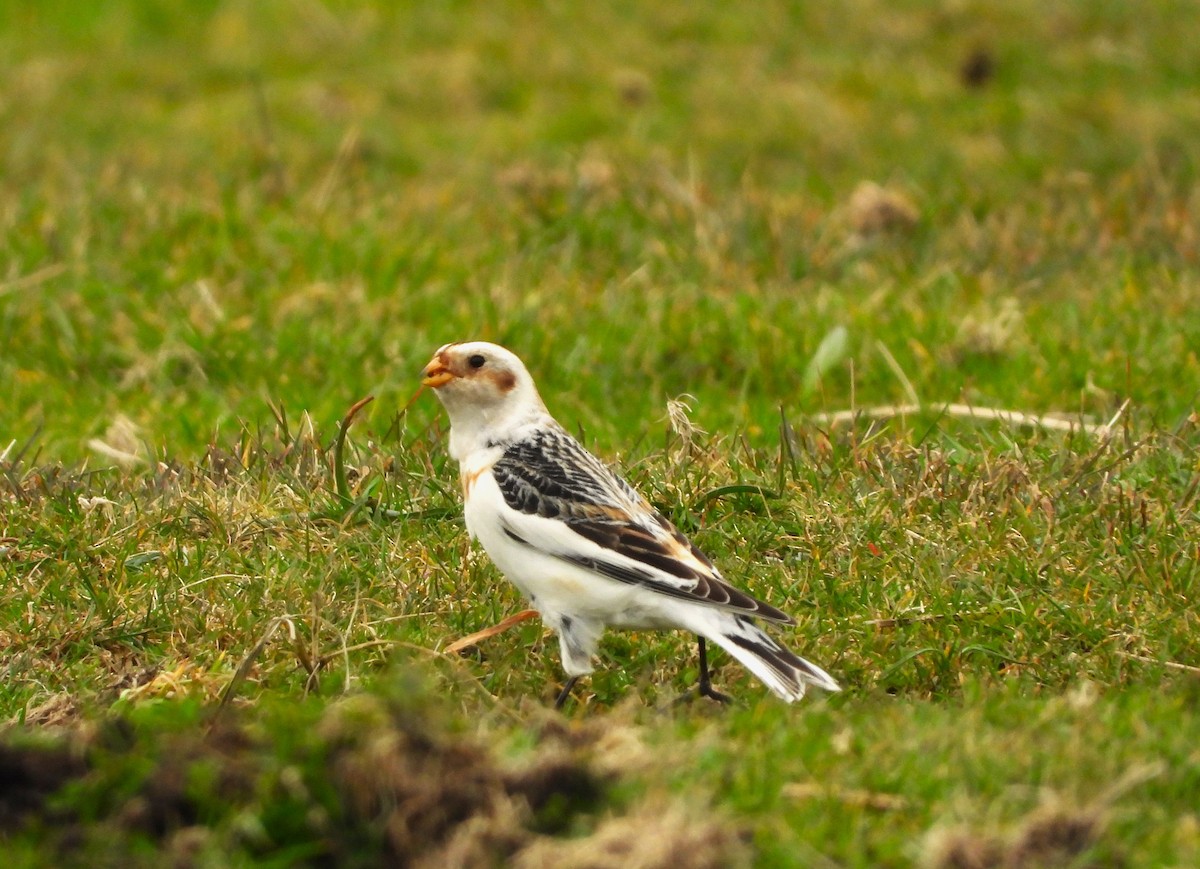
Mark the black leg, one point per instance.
(565, 692)
(706, 688)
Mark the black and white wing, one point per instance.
(551, 476)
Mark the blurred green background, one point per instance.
(209, 205)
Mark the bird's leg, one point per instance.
(565, 692)
(706, 689)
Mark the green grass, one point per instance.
(222, 226)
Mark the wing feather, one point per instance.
(551, 476)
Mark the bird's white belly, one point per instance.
(552, 585)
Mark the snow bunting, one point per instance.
(587, 550)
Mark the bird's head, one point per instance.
(486, 390)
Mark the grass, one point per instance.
(223, 226)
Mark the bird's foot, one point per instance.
(705, 689)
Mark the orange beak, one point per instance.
(436, 374)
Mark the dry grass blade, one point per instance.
(339, 445)
(1172, 665)
(967, 411)
(32, 279)
(897, 621)
(910, 391)
(848, 796)
(498, 628)
(243, 669)
(345, 151)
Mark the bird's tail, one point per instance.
(780, 669)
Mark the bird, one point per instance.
(580, 543)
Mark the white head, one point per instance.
(486, 390)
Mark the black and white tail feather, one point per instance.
(779, 668)
(586, 549)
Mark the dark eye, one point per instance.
(476, 361)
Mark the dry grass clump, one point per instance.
(447, 802)
(1044, 839)
(874, 209)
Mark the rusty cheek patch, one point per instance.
(504, 380)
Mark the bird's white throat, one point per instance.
(475, 426)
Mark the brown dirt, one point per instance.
(29, 775)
